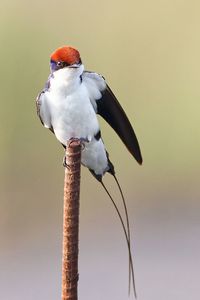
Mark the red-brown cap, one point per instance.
(66, 54)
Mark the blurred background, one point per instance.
(148, 52)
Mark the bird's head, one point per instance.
(65, 57)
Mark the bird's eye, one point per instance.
(59, 63)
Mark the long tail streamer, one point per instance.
(127, 235)
(128, 228)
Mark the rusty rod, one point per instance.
(71, 221)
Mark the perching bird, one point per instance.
(68, 106)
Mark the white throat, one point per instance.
(66, 79)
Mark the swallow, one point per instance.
(68, 106)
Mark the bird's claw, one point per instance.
(65, 165)
(82, 141)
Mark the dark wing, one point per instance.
(110, 109)
(38, 104)
(39, 97)
(39, 100)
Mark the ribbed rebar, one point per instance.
(71, 221)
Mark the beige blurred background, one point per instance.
(149, 53)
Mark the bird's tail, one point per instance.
(126, 231)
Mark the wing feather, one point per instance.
(38, 105)
(42, 111)
(107, 106)
(110, 109)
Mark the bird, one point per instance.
(68, 106)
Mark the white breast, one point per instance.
(72, 115)
(69, 108)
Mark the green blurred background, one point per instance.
(149, 53)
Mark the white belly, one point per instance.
(72, 116)
(94, 157)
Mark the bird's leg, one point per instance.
(65, 165)
(82, 140)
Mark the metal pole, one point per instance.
(71, 221)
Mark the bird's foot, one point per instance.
(65, 165)
(82, 141)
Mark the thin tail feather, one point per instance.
(112, 172)
(124, 229)
(128, 228)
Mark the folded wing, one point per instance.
(110, 109)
